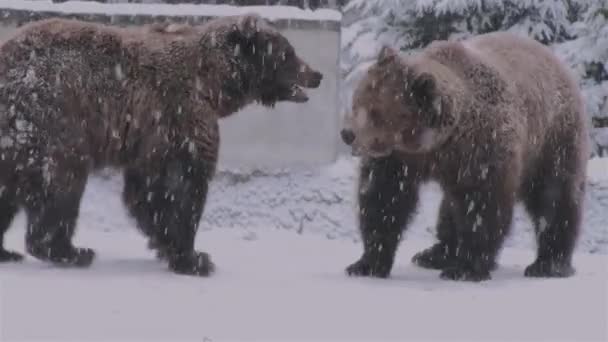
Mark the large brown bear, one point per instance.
(77, 96)
(494, 119)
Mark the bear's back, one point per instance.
(60, 43)
(544, 93)
(98, 41)
(519, 66)
(516, 84)
(57, 32)
(531, 70)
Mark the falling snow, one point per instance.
(118, 72)
(484, 172)
(30, 77)
(542, 225)
(313, 210)
(47, 171)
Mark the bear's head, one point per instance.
(269, 67)
(399, 106)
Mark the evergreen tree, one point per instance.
(576, 29)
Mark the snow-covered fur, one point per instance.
(493, 119)
(78, 96)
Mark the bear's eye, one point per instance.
(374, 116)
(433, 120)
(288, 54)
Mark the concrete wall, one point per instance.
(289, 135)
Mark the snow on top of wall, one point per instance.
(92, 7)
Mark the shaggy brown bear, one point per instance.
(493, 119)
(78, 96)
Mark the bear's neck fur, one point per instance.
(238, 80)
(464, 78)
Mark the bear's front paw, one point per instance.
(81, 257)
(195, 263)
(549, 269)
(162, 254)
(436, 257)
(63, 254)
(464, 273)
(364, 268)
(10, 256)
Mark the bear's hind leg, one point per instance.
(486, 214)
(52, 213)
(554, 199)
(556, 211)
(168, 204)
(388, 195)
(8, 210)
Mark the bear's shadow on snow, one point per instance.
(100, 268)
(412, 277)
(403, 276)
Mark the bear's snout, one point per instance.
(315, 79)
(347, 136)
(310, 78)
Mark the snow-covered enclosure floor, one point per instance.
(278, 285)
(281, 286)
(273, 283)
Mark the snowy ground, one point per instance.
(286, 282)
(286, 287)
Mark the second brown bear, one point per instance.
(493, 119)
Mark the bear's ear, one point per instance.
(423, 88)
(387, 54)
(244, 33)
(247, 25)
(433, 104)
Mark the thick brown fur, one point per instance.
(493, 119)
(78, 96)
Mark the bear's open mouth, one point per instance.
(297, 94)
(292, 90)
(310, 79)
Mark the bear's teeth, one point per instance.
(297, 94)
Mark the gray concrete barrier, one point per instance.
(289, 135)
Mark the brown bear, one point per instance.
(493, 119)
(76, 97)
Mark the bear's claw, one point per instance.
(63, 256)
(435, 257)
(363, 268)
(549, 269)
(196, 263)
(463, 273)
